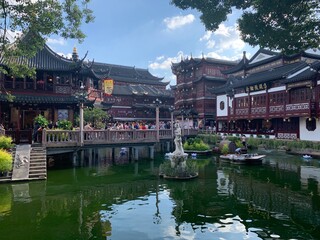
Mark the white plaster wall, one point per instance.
(309, 135)
(224, 112)
(230, 101)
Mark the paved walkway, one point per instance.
(21, 162)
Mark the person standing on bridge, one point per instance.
(36, 130)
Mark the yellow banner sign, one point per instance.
(108, 86)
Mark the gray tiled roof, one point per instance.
(278, 73)
(140, 90)
(309, 72)
(46, 59)
(127, 74)
(195, 61)
(248, 64)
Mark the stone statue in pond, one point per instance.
(178, 157)
(178, 140)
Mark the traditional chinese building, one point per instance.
(193, 100)
(271, 95)
(56, 90)
(50, 93)
(132, 93)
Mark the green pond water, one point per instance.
(95, 197)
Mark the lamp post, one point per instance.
(157, 102)
(171, 109)
(81, 98)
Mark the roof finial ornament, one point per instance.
(202, 55)
(75, 56)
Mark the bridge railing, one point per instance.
(68, 138)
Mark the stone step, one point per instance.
(38, 160)
(37, 164)
(38, 167)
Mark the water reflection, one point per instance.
(100, 198)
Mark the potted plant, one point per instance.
(225, 149)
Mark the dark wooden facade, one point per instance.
(272, 94)
(134, 93)
(54, 92)
(195, 76)
(50, 93)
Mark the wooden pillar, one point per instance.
(151, 152)
(112, 154)
(136, 154)
(75, 159)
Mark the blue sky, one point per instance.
(151, 34)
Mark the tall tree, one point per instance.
(285, 25)
(26, 24)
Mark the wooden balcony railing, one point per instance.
(272, 111)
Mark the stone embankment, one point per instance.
(311, 152)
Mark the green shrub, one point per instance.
(209, 138)
(225, 149)
(238, 143)
(41, 120)
(5, 142)
(64, 124)
(5, 161)
(195, 144)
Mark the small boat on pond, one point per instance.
(306, 156)
(248, 158)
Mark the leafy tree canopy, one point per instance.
(96, 116)
(285, 25)
(25, 25)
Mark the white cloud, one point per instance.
(178, 21)
(54, 41)
(160, 58)
(210, 44)
(223, 30)
(162, 67)
(223, 39)
(218, 55)
(232, 43)
(68, 55)
(165, 63)
(207, 36)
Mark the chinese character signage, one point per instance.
(256, 87)
(108, 86)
